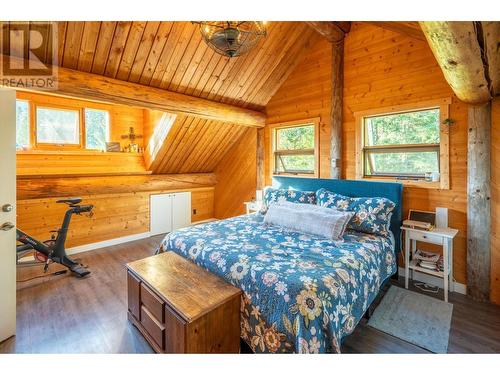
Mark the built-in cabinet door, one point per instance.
(169, 212)
(160, 214)
(181, 210)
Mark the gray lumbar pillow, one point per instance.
(310, 219)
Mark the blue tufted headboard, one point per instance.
(352, 188)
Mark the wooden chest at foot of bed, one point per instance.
(181, 308)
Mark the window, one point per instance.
(41, 126)
(22, 124)
(294, 148)
(57, 126)
(404, 143)
(96, 129)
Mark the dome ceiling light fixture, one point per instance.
(232, 38)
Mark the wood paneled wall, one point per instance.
(237, 177)
(305, 94)
(382, 68)
(115, 215)
(495, 201)
(72, 163)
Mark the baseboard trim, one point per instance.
(106, 243)
(433, 280)
(119, 240)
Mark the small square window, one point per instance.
(57, 126)
(294, 149)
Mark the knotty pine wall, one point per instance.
(382, 68)
(115, 215)
(495, 201)
(237, 177)
(305, 94)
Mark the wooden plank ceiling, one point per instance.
(173, 56)
(195, 145)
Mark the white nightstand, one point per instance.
(253, 206)
(438, 236)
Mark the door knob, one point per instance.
(7, 208)
(7, 226)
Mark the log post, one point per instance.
(478, 202)
(335, 35)
(336, 111)
(260, 159)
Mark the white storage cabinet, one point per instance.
(169, 212)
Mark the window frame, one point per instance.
(108, 136)
(33, 104)
(30, 135)
(315, 151)
(442, 148)
(58, 146)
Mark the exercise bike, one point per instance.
(54, 250)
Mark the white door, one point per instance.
(7, 213)
(160, 214)
(181, 210)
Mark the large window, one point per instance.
(96, 129)
(402, 144)
(22, 124)
(57, 126)
(294, 148)
(405, 143)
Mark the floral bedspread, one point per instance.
(302, 293)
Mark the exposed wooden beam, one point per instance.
(64, 186)
(456, 46)
(73, 83)
(411, 29)
(336, 111)
(329, 29)
(478, 202)
(491, 35)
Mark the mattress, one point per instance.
(301, 293)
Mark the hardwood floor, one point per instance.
(63, 314)
(475, 328)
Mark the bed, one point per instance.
(302, 293)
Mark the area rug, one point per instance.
(414, 317)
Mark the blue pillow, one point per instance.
(279, 195)
(371, 214)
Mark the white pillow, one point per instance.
(308, 218)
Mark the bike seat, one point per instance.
(74, 200)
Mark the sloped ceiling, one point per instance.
(196, 145)
(173, 56)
